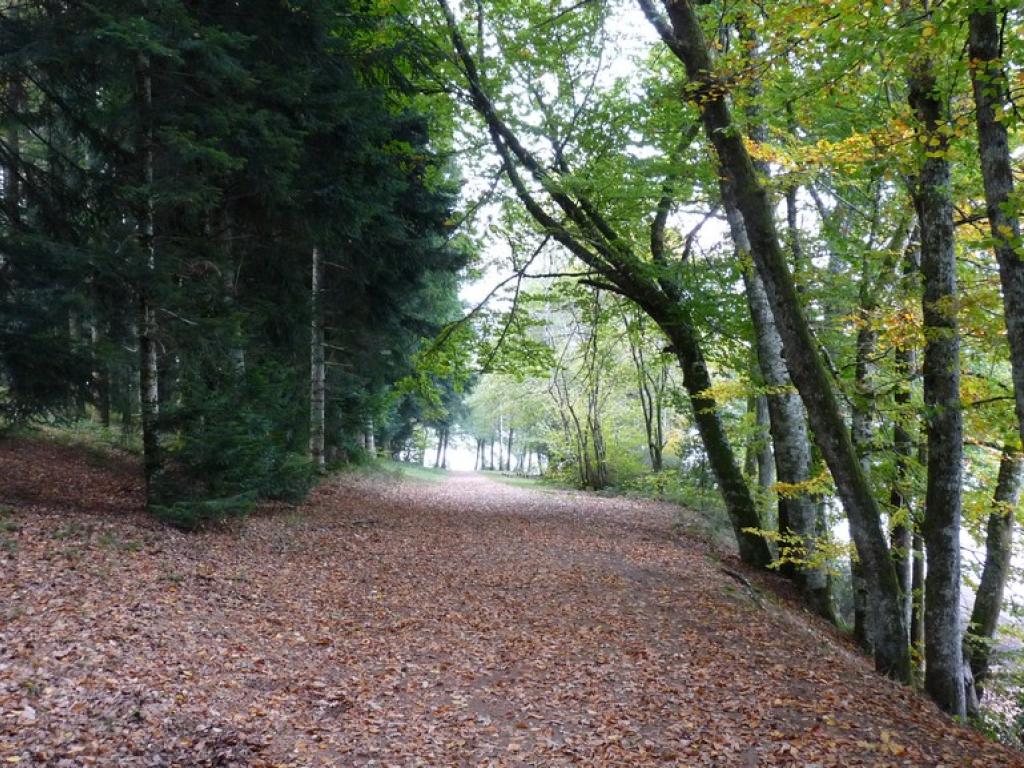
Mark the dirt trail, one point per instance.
(393, 623)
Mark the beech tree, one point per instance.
(835, 150)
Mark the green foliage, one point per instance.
(233, 444)
(267, 133)
(199, 514)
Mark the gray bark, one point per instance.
(903, 446)
(12, 167)
(650, 392)
(988, 601)
(792, 447)
(862, 432)
(943, 418)
(230, 280)
(440, 447)
(917, 609)
(100, 376)
(149, 371)
(991, 95)
(317, 366)
(765, 456)
(903, 442)
(683, 34)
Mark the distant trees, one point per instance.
(168, 170)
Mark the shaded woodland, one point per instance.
(762, 260)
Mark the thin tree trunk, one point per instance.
(862, 432)
(685, 38)
(995, 573)
(765, 455)
(230, 281)
(371, 440)
(649, 408)
(149, 391)
(918, 590)
(796, 252)
(750, 456)
(992, 97)
(12, 166)
(100, 376)
(317, 366)
(943, 418)
(511, 432)
(903, 442)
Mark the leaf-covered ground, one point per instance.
(411, 623)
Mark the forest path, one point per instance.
(400, 623)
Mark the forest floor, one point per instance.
(398, 622)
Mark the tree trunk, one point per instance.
(149, 388)
(765, 455)
(943, 418)
(649, 405)
(508, 460)
(738, 501)
(917, 590)
(988, 601)
(686, 40)
(12, 161)
(317, 366)
(991, 98)
(100, 376)
(862, 432)
(230, 276)
(371, 440)
(903, 443)
(798, 513)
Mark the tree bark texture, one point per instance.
(317, 366)
(995, 573)
(943, 417)
(991, 97)
(149, 371)
(798, 513)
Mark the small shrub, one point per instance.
(198, 514)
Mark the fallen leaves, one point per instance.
(470, 624)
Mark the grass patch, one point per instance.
(7, 525)
(110, 540)
(102, 444)
(73, 530)
(402, 470)
(532, 482)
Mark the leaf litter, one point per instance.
(401, 623)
